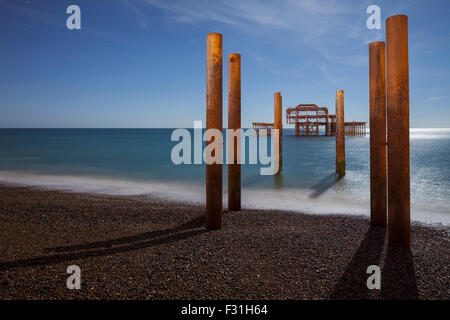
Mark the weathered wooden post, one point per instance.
(278, 124)
(340, 134)
(377, 88)
(234, 122)
(398, 131)
(214, 121)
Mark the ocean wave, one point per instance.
(298, 200)
(429, 133)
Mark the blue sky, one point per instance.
(141, 63)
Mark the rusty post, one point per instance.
(234, 122)
(340, 134)
(280, 137)
(398, 131)
(317, 122)
(377, 86)
(214, 121)
(278, 124)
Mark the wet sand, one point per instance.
(143, 248)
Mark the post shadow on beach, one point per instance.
(108, 247)
(323, 185)
(352, 284)
(398, 279)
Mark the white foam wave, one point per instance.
(298, 200)
(429, 133)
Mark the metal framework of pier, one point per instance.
(263, 125)
(355, 128)
(308, 118)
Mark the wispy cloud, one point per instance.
(434, 98)
(143, 19)
(316, 24)
(304, 16)
(334, 31)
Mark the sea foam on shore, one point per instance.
(328, 201)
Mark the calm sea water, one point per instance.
(137, 161)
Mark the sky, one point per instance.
(142, 63)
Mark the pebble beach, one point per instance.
(135, 247)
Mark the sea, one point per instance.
(138, 162)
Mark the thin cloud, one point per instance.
(434, 98)
(335, 30)
(143, 19)
(315, 24)
(310, 17)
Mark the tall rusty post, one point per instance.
(398, 131)
(377, 89)
(213, 121)
(278, 124)
(234, 122)
(340, 134)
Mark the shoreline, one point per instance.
(311, 201)
(131, 248)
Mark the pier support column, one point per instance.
(297, 129)
(278, 124)
(377, 86)
(317, 122)
(398, 131)
(214, 121)
(340, 134)
(234, 122)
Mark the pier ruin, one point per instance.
(389, 117)
(268, 126)
(308, 119)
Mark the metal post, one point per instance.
(377, 86)
(278, 124)
(317, 122)
(214, 120)
(340, 134)
(234, 122)
(398, 131)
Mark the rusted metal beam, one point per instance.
(234, 122)
(398, 131)
(317, 122)
(340, 134)
(214, 120)
(377, 88)
(278, 124)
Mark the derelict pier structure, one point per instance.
(309, 118)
